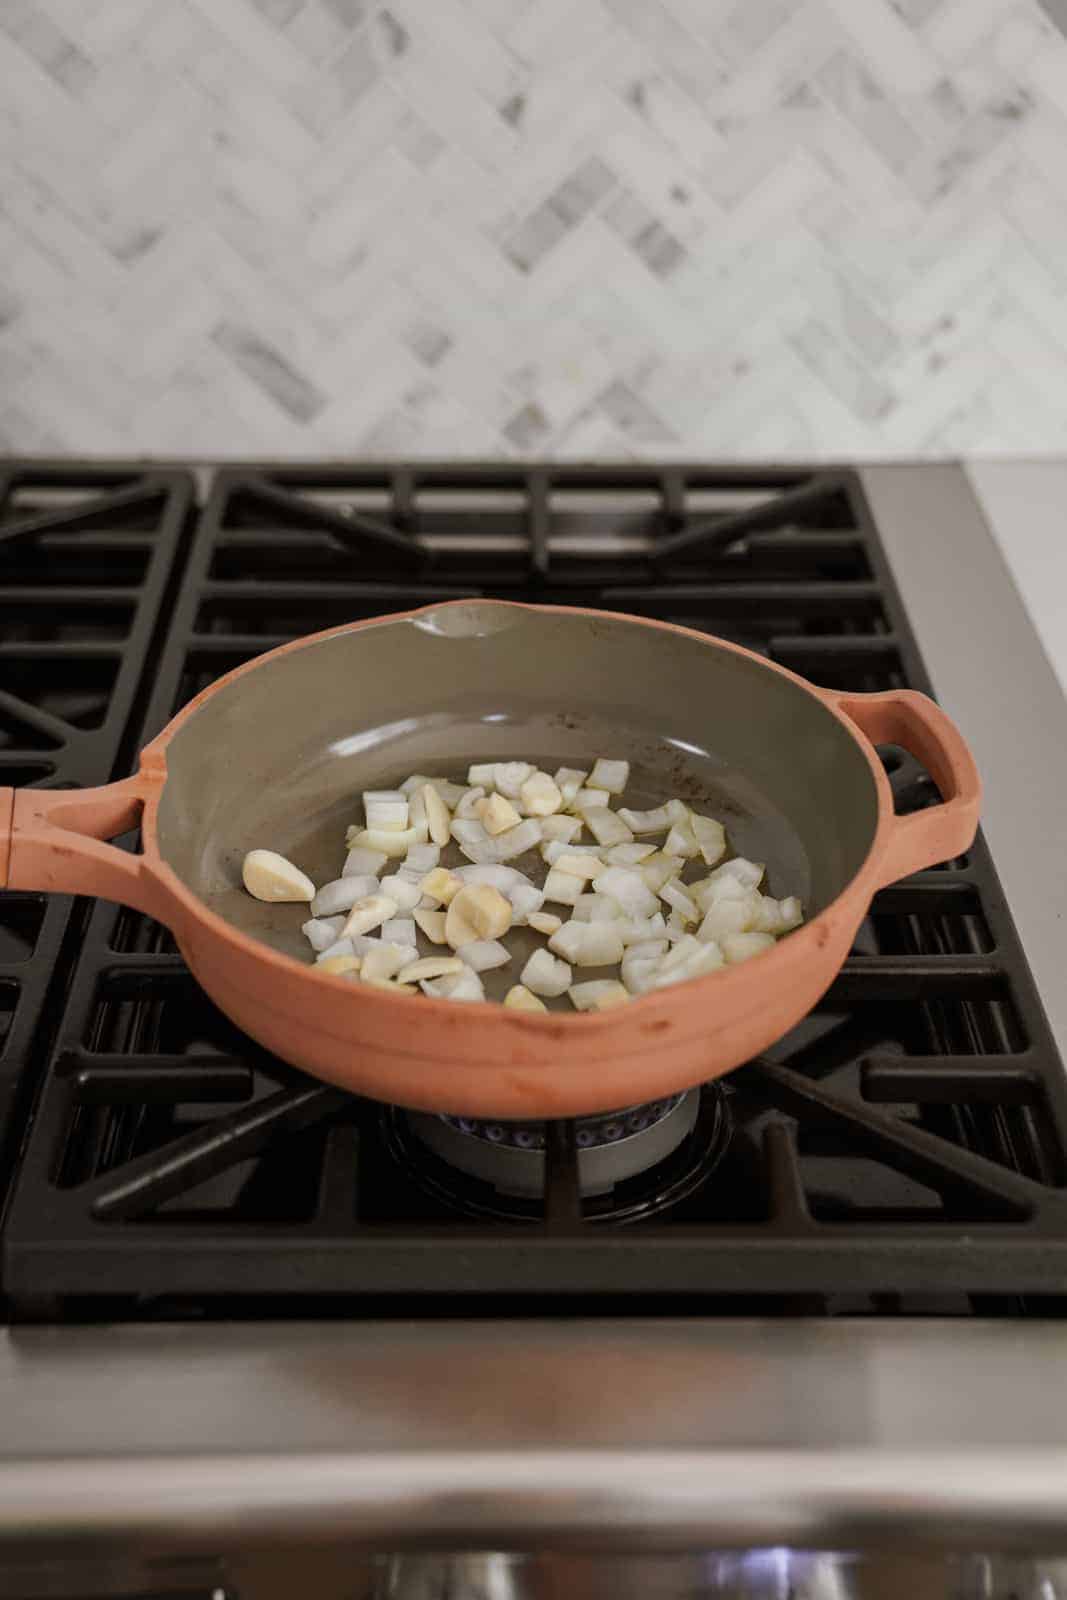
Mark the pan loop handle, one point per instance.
(53, 840)
(918, 724)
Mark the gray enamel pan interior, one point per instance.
(278, 758)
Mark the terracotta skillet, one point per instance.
(276, 753)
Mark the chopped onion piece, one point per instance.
(473, 832)
(743, 946)
(341, 895)
(679, 901)
(710, 836)
(465, 985)
(605, 826)
(777, 916)
(483, 775)
(681, 841)
(638, 930)
(390, 843)
(269, 876)
(749, 874)
(736, 915)
(468, 802)
(519, 998)
(341, 947)
(554, 850)
(540, 796)
(565, 829)
(422, 858)
(655, 821)
(658, 869)
(500, 876)
(628, 887)
(562, 886)
(544, 921)
(525, 900)
(418, 780)
(568, 781)
(610, 775)
(596, 908)
(543, 974)
(322, 933)
(516, 841)
(585, 799)
(400, 930)
(360, 863)
(386, 809)
(600, 994)
(677, 927)
(402, 891)
(628, 855)
(484, 954)
(432, 924)
(587, 944)
(509, 777)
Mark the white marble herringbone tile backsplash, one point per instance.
(741, 228)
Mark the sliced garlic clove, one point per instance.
(478, 912)
(544, 922)
(432, 924)
(519, 998)
(268, 876)
(497, 814)
(579, 864)
(437, 818)
(339, 965)
(370, 913)
(383, 962)
(441, 886)
(402, 891)
(430, 967)
(483, 775)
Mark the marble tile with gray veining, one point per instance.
(529, 227)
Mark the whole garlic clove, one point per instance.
(268, 876)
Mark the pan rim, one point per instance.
(814, 936)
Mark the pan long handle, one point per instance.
(918, 724)
(53, 840)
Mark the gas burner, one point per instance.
(631, 1163)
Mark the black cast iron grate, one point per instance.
(904, 1149)
(85, 556)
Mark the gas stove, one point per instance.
(902, 1154)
